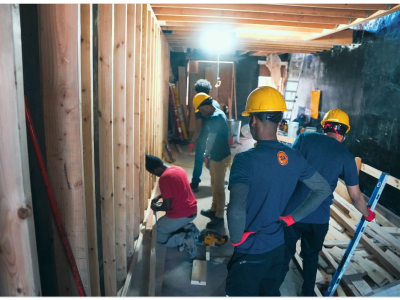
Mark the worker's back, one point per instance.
(331, 159)
(271, 170)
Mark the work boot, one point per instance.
(189, 244)
(208, 213)
(195, 187)
(214, 223)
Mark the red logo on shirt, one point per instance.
(282, 158)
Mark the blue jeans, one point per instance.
(199, 158)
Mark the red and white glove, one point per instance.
(371, 215)
(191, 146)
(286, 221)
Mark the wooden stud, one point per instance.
(87, 138)
(106, 60)
(130, 133)
(59, 48)
(138, 209)
(199, 272)
(19, 269)
(119, 138)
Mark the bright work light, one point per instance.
(217, 40)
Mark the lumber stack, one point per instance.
(375, 266)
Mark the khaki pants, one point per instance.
(217, 172)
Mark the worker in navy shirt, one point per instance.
(217, 156)
(200, 135)
(261, 182)
(326, 154)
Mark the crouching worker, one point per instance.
(175, 229)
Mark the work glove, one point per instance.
(155, 206)
(371, 215)
(191, 146)
(244, 238)
(207, 161)
(286, 221)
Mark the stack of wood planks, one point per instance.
(375, 266)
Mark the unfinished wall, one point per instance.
(364, 81)
(97, 86)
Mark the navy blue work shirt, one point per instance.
(204, 129)
(329, 158)
(218, 124)
(271, 170)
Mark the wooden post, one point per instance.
(143, 101)
(138, 209)
(358, 163)
(19, 270)
(105, 63)
(87, 137)
(60, 81)
(130, 89)
(119, 139)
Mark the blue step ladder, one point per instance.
(357, 236)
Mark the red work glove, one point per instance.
(191, 146)
(207, 161)
(286, 221)
(244, 237)
(371, 215)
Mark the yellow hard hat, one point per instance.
(338, 116)
(264, 99)
(198, 99)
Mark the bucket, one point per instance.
(292, 131)
(234, 129)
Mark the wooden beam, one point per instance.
(342, 37)
(285, 9)
(378, 14)
(60, 83)
(393, 181)
(19, 269)
(106, 61)
(87, 138)
(119, 139)
(159, 11)
(172, 19)
(138, 209)
(130, 100)
(351, 6)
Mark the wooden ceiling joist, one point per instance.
(266, 8)
(173, 20)
(349, 6)
(159, 11)
(342, 37)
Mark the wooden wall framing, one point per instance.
(131, 58)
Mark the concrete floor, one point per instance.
(178, 268)
(175, 280)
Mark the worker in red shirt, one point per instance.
(175, 229)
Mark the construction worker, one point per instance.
(217, 155)
(200, 135)
(326, 154)
(261, 182)
(175, 229)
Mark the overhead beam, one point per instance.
(310, 11)
(342, 37)
(202, 19)
(159, 11)
(376, 15)
(348, 6)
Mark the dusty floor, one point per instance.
(175, 280)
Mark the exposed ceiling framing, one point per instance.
(268, 28)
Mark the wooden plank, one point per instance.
(390, 290)
(336, 225)
(352, 268)
(60, 83)
(159, 11)
(330, 12)
(106, 60)
(19, 269)
(285, 139)
(387, 214)
(119, 139)
(388, 262)
(153, 257)
(138, 209)
(342, 37)
(392, 230)
(130, 90)
(371, 269)
(371, 6)
(394, 242)
(392, 181)
(199, 272)
(182, 92)
(87, 138)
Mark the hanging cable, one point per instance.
(218, 79)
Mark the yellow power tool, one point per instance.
(209, 237)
